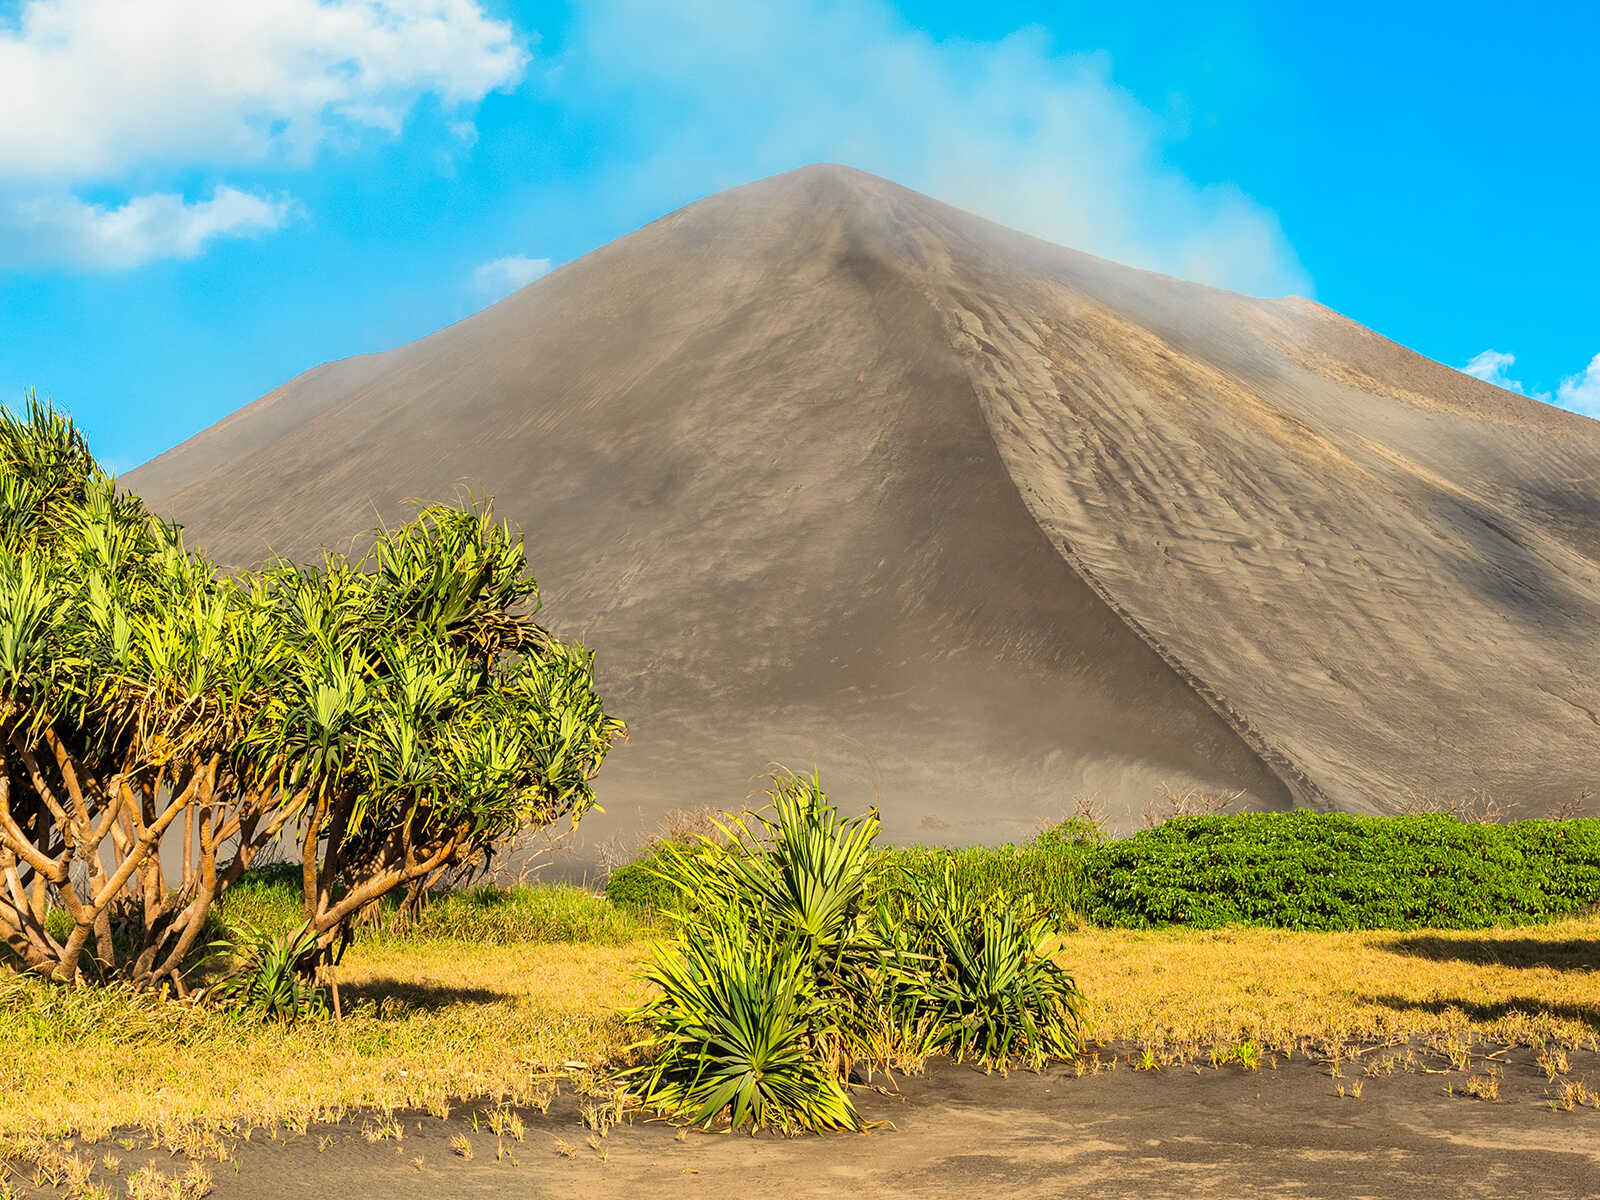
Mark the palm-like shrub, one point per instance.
(735, 1028)
(397, 715)
(783, 976)
(980, 976)
(267, 974)
(797, 868)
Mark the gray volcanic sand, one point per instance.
(830, 473)
(1178, 1133)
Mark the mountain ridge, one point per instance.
(1257, 492)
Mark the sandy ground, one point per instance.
(1122, 1134)
(830, 473)
(1181, 1132)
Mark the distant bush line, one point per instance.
(1295, 870)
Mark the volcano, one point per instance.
(831, 474)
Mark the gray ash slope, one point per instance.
(830, 473)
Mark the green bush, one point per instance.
(1050, 871)
(801, 951)
(1304, 870)
(974, 972)
(640, 885)
(1296, 870)
(737, 1029)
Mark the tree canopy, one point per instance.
(162, 722)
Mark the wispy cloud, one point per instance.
(154, 226)
(98, 91)
(95, 87)
(1580, 392)
(1494, 366)
(724, 91)
(498, 279)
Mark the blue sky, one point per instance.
(199, 200)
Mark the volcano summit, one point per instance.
(830, 473)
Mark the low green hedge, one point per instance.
(1295, 870)
(1304, 870)
(636, 885)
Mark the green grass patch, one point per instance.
(1052, 870)
(265, 898)
(528, 913)
(269, 899)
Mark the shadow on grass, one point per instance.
(399, 997)
(1575, 954)
(1524, 1006)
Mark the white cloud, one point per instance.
(1581, 392)
(94, 88)
(1494, 366)
(64, 228)
(725, 90)
(498, 279)
(101, 91)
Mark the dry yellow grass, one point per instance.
(1280, 988)
(424, 1022)
(430, 1021)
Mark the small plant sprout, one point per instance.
(504, 1122)
(1575, 1093)
(1554, 1062)
(1485, 1086)
(383, 1129)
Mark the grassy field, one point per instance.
(505, 994)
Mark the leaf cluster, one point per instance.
(267, 975)
(800, 954)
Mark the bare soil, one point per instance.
(1180, 1132)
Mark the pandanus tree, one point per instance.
(161, 723)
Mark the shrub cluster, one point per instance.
(641, 885)
(800, 952)
(1304, 870)
(1051, 871)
